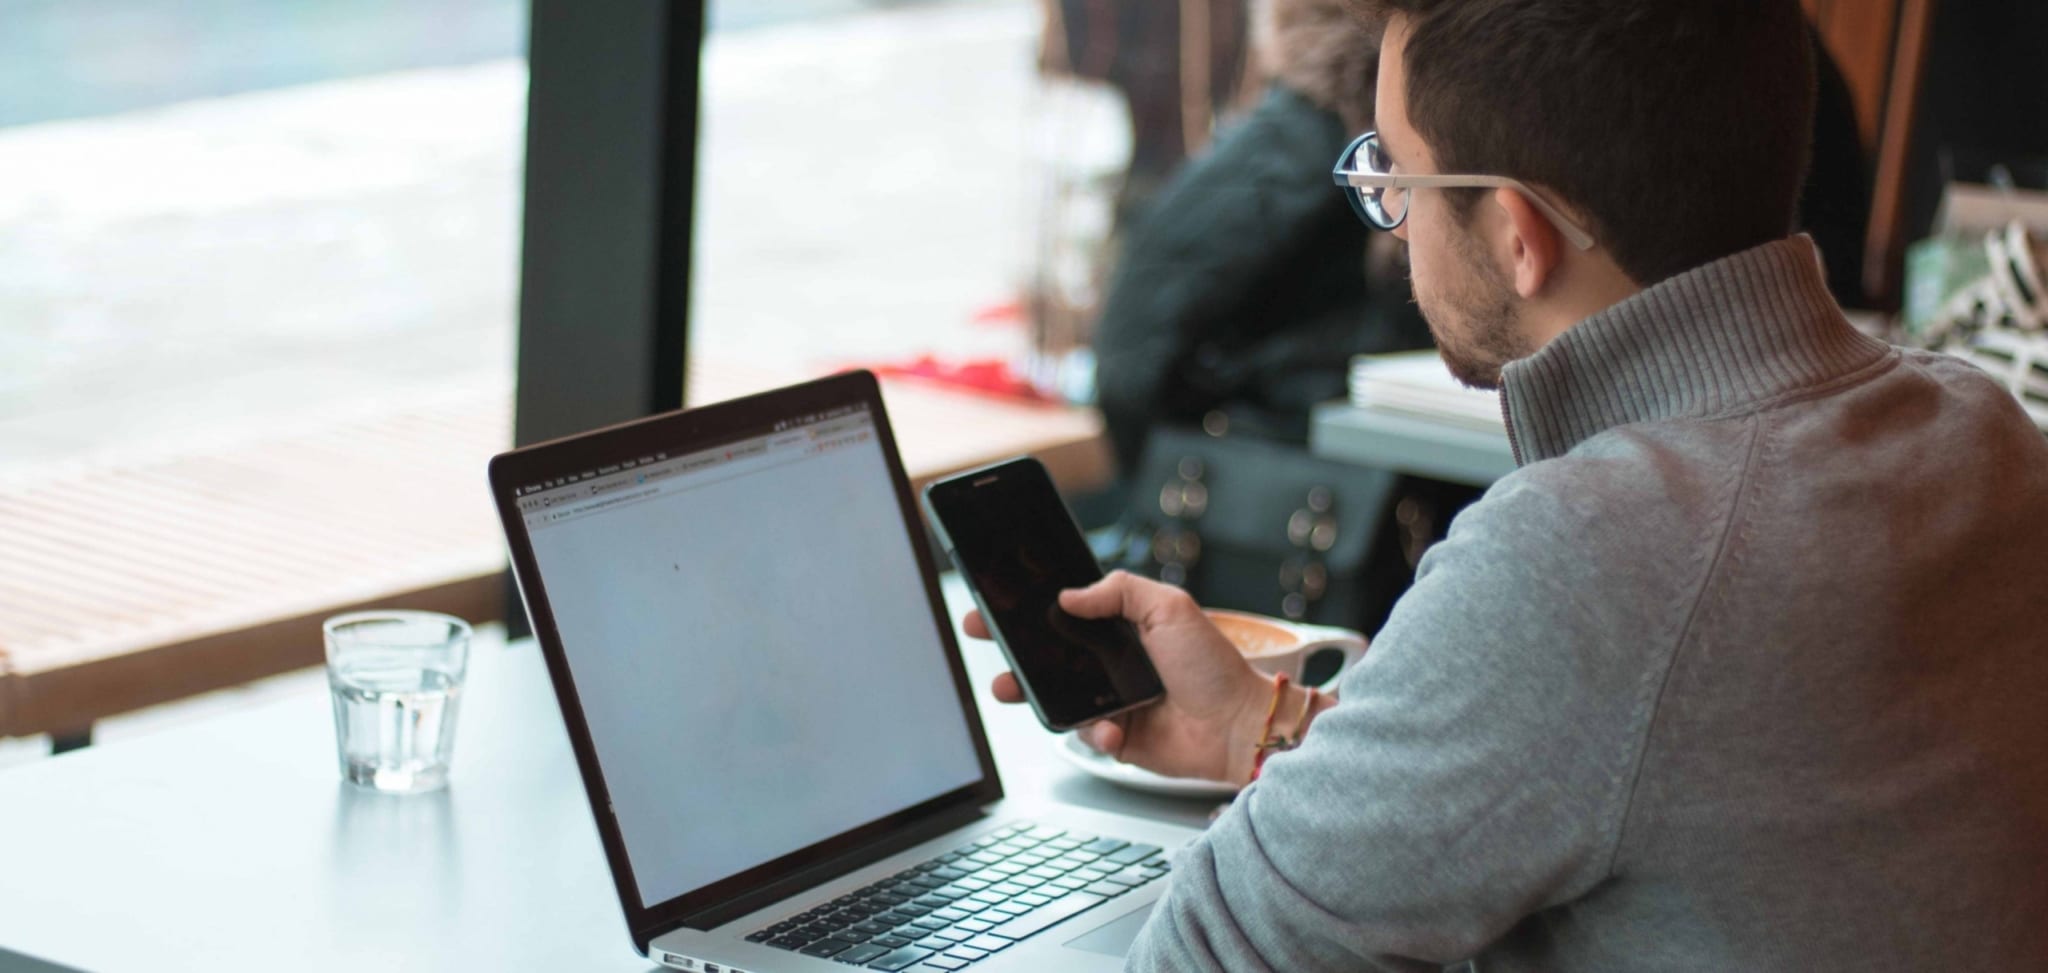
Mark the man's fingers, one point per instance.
(1103, 599)
(1105, 736)
(974, 626)
(1006, 689)
(1141, 600)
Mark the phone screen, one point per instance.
(1012, 537)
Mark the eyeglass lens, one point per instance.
(1385, 207)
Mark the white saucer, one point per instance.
(1137, 778)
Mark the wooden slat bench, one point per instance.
(124, 585)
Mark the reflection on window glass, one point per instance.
(865, 183)
(222, 216)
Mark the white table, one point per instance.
(1409, 443)
(231, 845)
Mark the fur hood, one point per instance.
(1329, 51)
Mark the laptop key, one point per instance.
(826, 947)
(1044, 917)
(892, 941)
(987, 943)
(1132, 854)
(864, 953)
(943, 963)
(899, 958)
(1104, 846)
(790, 942)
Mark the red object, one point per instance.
(1005, 313)
(989, 376)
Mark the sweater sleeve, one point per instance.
(1476, 769)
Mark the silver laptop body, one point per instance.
(743, 624)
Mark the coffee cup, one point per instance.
(1310, 655)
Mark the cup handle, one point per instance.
(1351, 644)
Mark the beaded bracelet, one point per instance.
(1267, 741)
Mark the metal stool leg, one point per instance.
(75, 740)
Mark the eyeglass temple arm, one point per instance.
(1364, 180)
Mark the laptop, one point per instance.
(774, 725)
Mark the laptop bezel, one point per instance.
(684, 431)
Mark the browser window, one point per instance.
(748, 630)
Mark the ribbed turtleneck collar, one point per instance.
(1714, 340)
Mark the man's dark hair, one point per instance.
(1680, 129)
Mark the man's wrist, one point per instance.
(1265, 722)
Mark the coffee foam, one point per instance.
(1255, 637)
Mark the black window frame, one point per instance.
(610, 184)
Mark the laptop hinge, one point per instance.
(907, 837)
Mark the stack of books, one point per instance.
(1417, 383)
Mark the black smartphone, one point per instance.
(1017, 545)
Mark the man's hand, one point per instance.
(1215, 701)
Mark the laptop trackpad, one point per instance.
(1114, 938)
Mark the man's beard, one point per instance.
(1473, 319)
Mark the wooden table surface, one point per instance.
(146, 579)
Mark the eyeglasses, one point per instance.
(1381, 198)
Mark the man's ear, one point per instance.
(1534, 246)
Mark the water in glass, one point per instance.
(395, 727)
(396, 679)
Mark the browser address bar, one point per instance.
(677, 483)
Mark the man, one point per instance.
(1742, 669)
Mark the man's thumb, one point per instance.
(1103, 599)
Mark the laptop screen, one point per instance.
(752, 643)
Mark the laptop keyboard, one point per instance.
(969, 903)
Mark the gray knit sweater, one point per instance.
(1745, 668)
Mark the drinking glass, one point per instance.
(396, 679)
